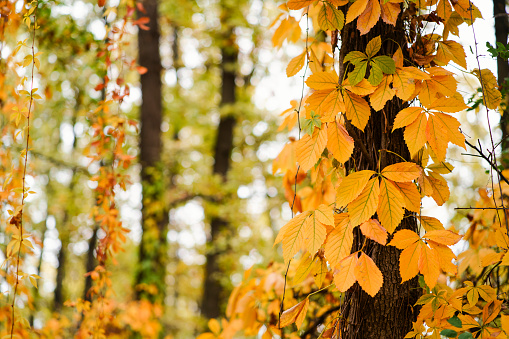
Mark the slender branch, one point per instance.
(482, 208)
(485, 157)
(318, 321)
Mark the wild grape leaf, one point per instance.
(352, 186)
(357, 110)
(339, 142)
(402, 171)
(310, 148)
(339, 242)
(374, 231)
(296, 314)
(323, 80)
(296, 64)
(368, 275)
(365, 205)
(344, 275)
(369, 17)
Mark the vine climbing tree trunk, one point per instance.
(213, 291)
(152, 255)
(389, 314)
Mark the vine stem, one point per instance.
(25, 160)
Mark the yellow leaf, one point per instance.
(298, 4)
(303, 270)
(314, 233)
(351, 186)
(296, 314)
(323, 80)
(374, 231)
(339, 242)
(326, 103)
(443, 237)
(430, 223)
(214, 326)
(296, 64)
(362, 88)
(364, 206)
(505, 323)
(409, 261)
(320, 271)
(407, 116)
(441, 191)
(451, 125)
(369, 17)
(403, 84)
(310, 148)
(450, 50)
(325, 215)
(292, 236)
(444, 9)
(491, 94)
(410, 195)
(368, 275)
(402, 172)
(491, 258)
(445, 257)
(382, 94)
(390, 12)
(415, 134)
(330, 18)
(429, 266)
(404, 238)
(391, 206)
(355, 10)
(357, 110)
(339, 143)
(344, 275)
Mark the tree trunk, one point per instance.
(152, 254)
(389, 314)
(58, 299)
(501, 34)
(213, 291)
(90, 265)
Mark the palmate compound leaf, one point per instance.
(339, 143)
(365, 205)
(374, 231)
(402, 172)
(296, 314)
(310, 148)
(391, 206)
(339, 241)
(296, 64)
(351, 186)
(368, 275)
(344, 275)
(292, 235)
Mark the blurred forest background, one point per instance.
(190, 86)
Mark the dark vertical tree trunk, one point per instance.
(58, 299)
(501, 35)
(152, 255)
(90, 264)
(388, 314)
(213, 292)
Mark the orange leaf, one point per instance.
(351, 186)
(391, 206)
(364, 206)
(292, 235)
(374, 231)
(357, 110)
(368, 275)
(436, 135)
(441, 191)
(314, 231)
(339, 242)
(409, 261)
(407, 116)
(326, 103)
(362, 88)
(356, 9)
(296, 64)
(296, 314)
(404, 238)
(369, 17)
(390, 12)
(443, 237)
(382, 94)
(411, 195)
(344, 275)
(298, 4)
(415, 134)
(310, 148)
(402, 172)
(339, 142)
(323, 80)
(430, 223)
(429, 266)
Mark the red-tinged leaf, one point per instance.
(404, 238)
(430, 223)
(352, 186)
(443, 237)
(440, 188)
(382, 94)
(314, 232)
(364, 206)
(390, 12)
(369, 17)
(339, 242)
(292, 235)
(409, 261)
(407, 116)
(344, 275)
(339, 143)
(298, 4)
(374, 231)
(415, 134)
(452, 125)
(296, 314)
(402, 172)
(101, 3)
(296, 65)
(356, 9)
(368, 275)
(357, 110)
(391, 206)
(323, 80)
(429, 266)
(141, 69)
(309, 148)
(411, 195)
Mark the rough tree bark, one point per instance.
(501, 35)
(152, 254)
(213, 291)
(389, 314)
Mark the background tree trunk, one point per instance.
(152, 255)
(389, 314)
(501, 35)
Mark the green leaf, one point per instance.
(355, 57)
(386, 63)
(373, 46)
(330, 18)
(375, 74)
(358, 73)
(466, 335)
(449, 333)
(455, 321)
